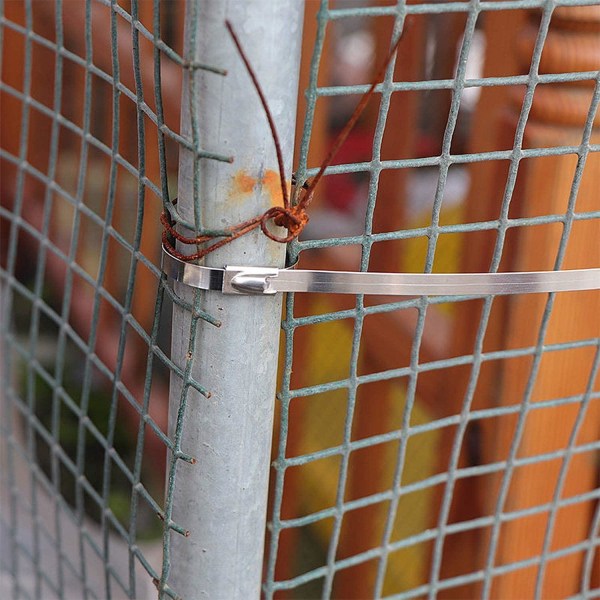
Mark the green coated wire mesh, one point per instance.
(431, 447)
(389, 560)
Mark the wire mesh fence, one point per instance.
(83, 450)
(430, 446)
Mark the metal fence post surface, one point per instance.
(219, 500)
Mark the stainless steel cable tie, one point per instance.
(265, 280)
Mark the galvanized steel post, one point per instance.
(222, 499)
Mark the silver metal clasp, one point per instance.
(249, 280)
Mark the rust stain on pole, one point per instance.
(244, 184)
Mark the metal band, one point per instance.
(259, 280)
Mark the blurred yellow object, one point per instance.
(325, 416)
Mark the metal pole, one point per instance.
(222, 498)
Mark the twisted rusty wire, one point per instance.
(291, 217)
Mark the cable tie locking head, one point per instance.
(249, 280)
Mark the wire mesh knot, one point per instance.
(294, 219)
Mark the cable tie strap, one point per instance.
(265, 281)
